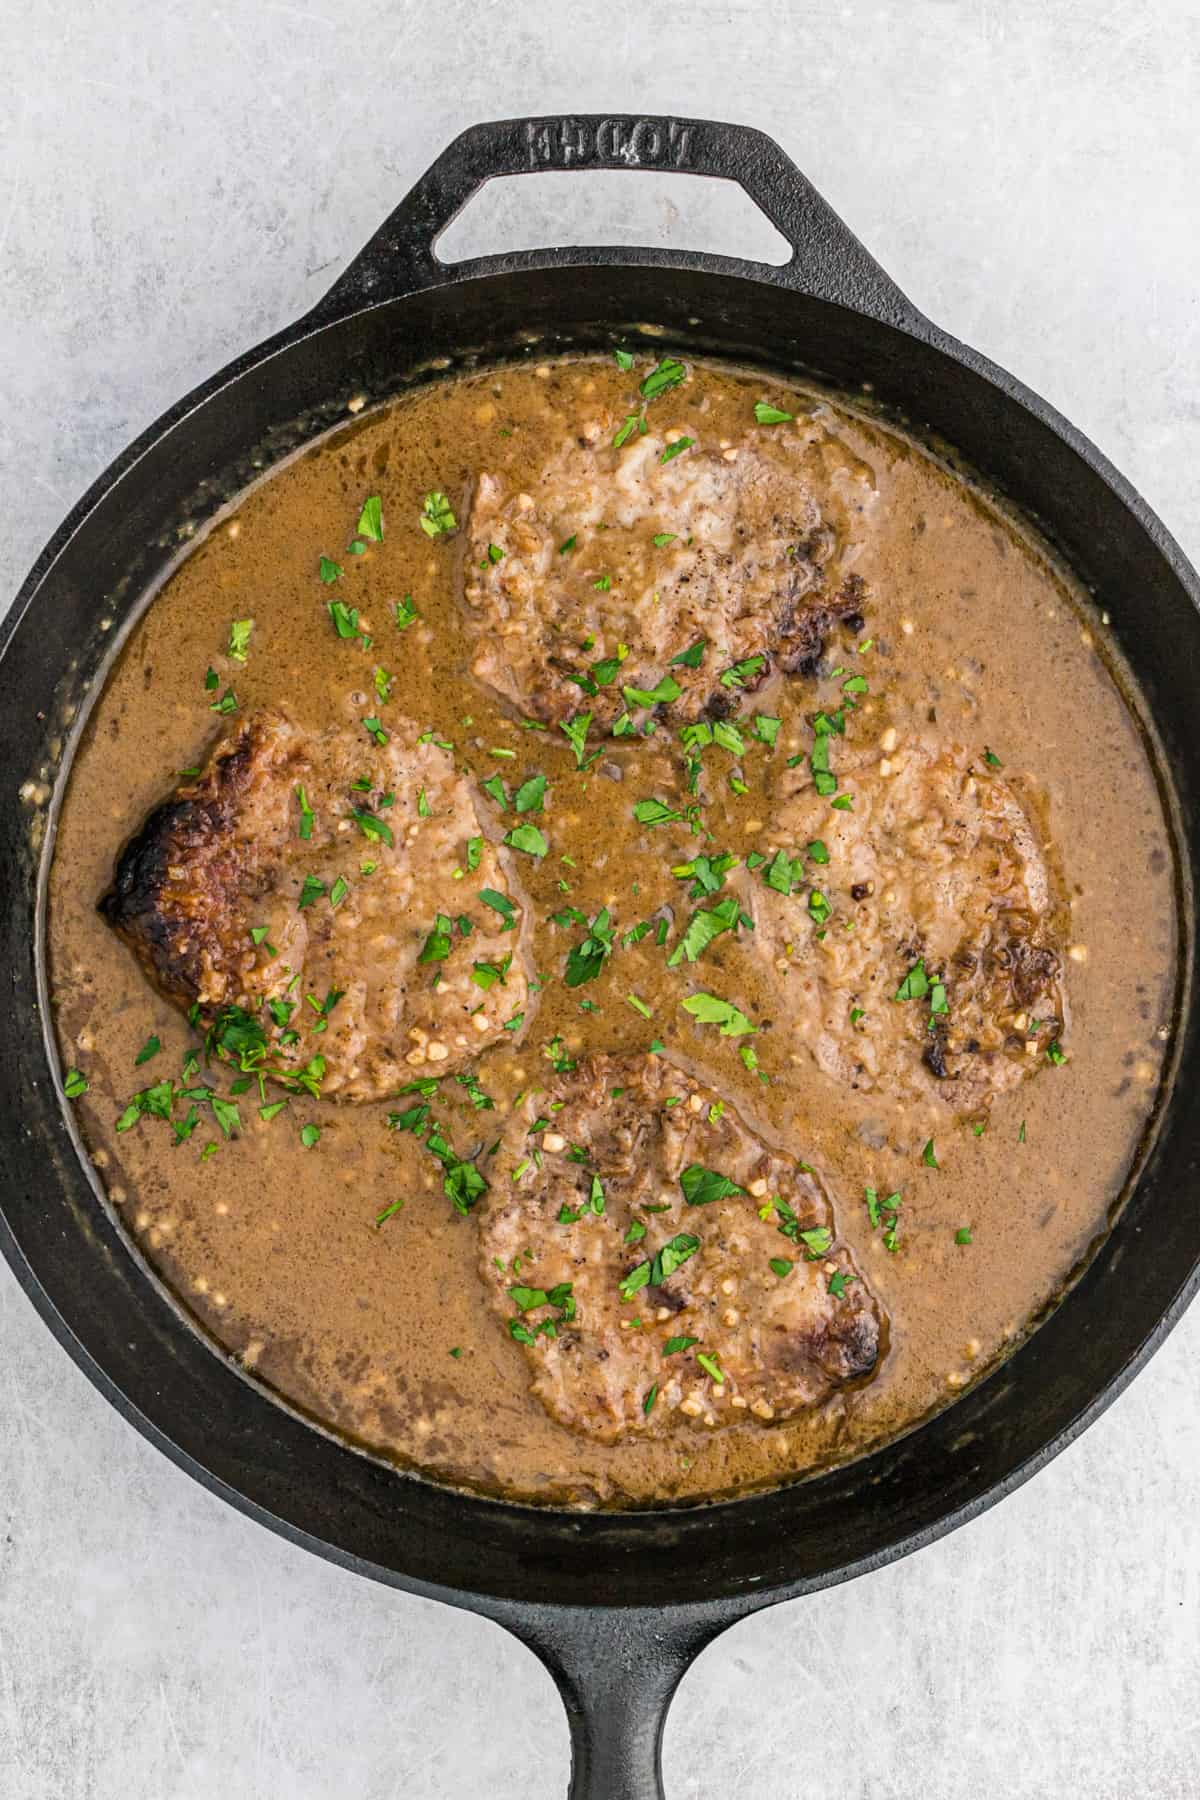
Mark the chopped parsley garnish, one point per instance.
(640, 1006)
(662, 538)
(702, 1186)
(375, 730)
(662, 694)
(839, 1281)
(74, 1084)
(226, 704)
(739, 673)
(501, 904)
(770, 415)
(345, 619)
(693, 656)
(823, 780)
(1055, 1054)
(991, 759)
(437, 516)
(310, 1135)
(383, 683)
(306, 815)
(651, 1397)
(674, 1345)
(666, 374)
(575, 731)
(150, 1048)
(623, 359)
(376, 829)
(485, 974)
(782, 1266)
(239, 639)
(567, 545)
(405, 612)
(709, 1009)
(527, 838)
(462, 1183)
(885, 1213)
(676, 449)
(656, 1269)
(915, 985)
(963, 1235)
(438, 944)
(571, 1215)
(704, 925)
(370, 520)
(707, 873)
(632, 422)
(929, 1155)
(329, 569)
(338, 892)
(655, 812)
(312, 891)
(585, 960)
(711, 1366)
(531, 795)
(766, 729)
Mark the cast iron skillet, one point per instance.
(616, 1605)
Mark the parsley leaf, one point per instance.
(709, 1009)
(702, 1186)
(437, 516)
(531, 795)
(915, 985)
(239, 638)
(370, 520)
(704, 925)
(668, 689)
(528, 839)
(585, 960)
(501, 904)
(667, 374)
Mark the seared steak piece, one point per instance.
(632, 1257)
(940, 892)
(308, 880)
(570, 598)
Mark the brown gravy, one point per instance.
(382, 1333)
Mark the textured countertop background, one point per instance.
(176, 181)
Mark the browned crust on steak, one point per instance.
(208, 897)
(194, 831)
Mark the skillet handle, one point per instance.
(827, 260)
(617, 1672)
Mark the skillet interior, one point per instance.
(126, 1331)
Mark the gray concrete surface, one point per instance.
(176, 181)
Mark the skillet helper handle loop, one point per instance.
(827, 261)
(617, 1673)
